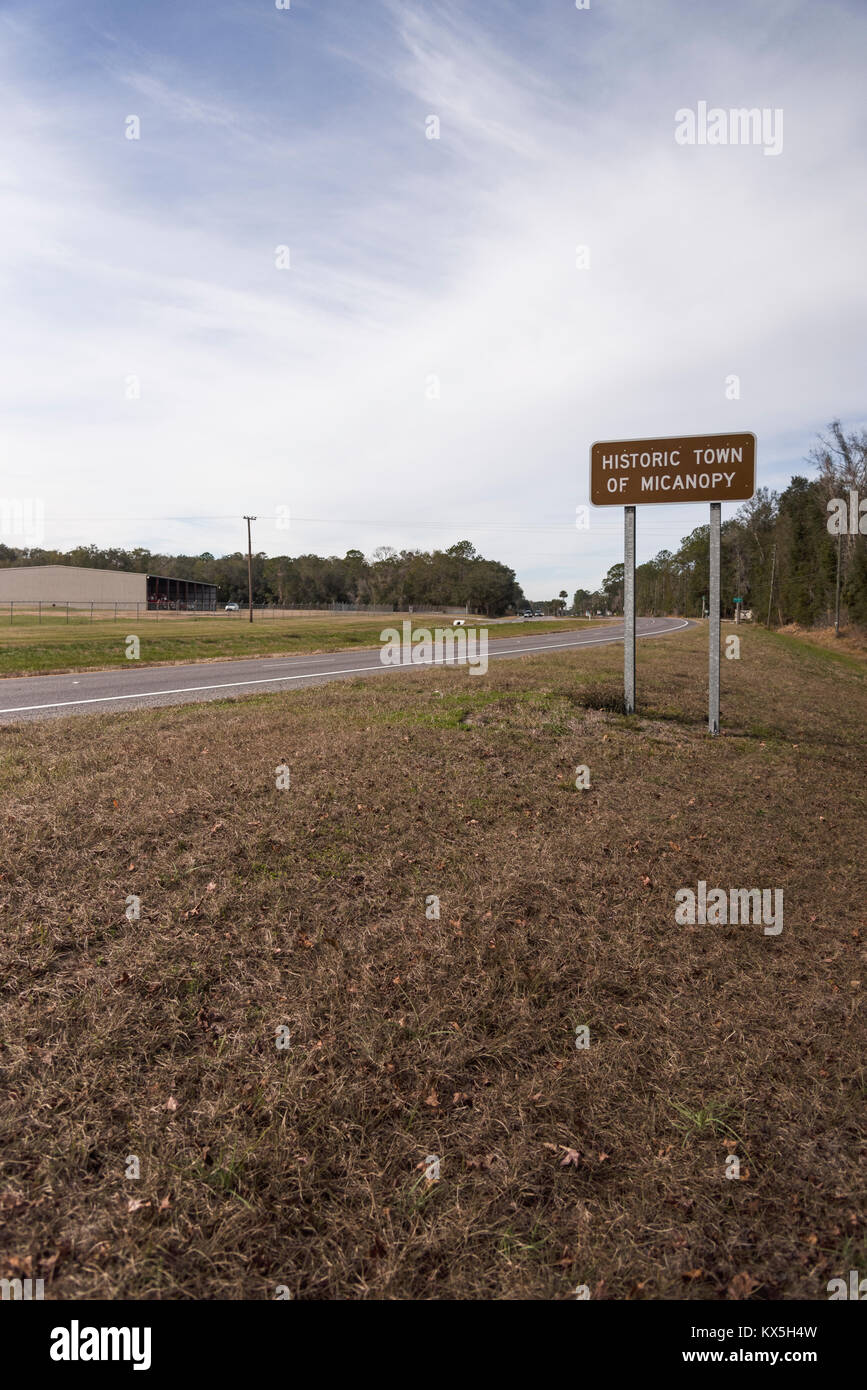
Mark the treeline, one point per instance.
(777, 553)
(456, 576)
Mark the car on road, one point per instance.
(232, 608)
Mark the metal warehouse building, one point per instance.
(71, 584)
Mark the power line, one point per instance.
(601, 528)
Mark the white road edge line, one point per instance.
(314, 675)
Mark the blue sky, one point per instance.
(432, 365)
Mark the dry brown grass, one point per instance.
(852, 640)
(456, 1037)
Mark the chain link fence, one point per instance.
(21, 611)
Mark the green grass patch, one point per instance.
(29, 648)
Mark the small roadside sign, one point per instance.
(712, 468)
(686, 468)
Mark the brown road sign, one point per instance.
(692, 468)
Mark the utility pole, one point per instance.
(771, 594)
(837, 605)
(248, 519)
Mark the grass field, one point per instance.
(851, 643)
(412, 1037)
(29, 649)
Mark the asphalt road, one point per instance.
(98, 692)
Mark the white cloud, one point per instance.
(410, 256)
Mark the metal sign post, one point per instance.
(714, 620)
(629, 609)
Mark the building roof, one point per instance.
(107, 569)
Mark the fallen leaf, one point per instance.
(171, 1103)
(48, 1265)
(742, 1285)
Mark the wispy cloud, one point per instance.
(417, 264)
